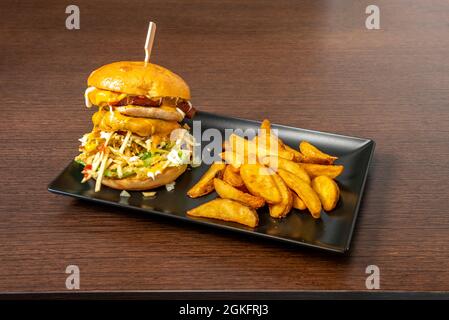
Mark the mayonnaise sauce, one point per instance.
(86, 96)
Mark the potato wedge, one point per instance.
(313, 155)
(328, 191)
(315, 170)
(254, 149)
(206, 184)
(291, 166)
(304, 191)
(232, 158)
(283, 152)
(233, 178)
(227, 191)
(234, 169)
(259, 181)
(298, 203)
(297, 156)
(245, 149)
(238, 144)
(268, 144)
(282, 208)
(227, 210)
(265, 125)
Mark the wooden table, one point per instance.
(309, 64)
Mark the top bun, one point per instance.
(139, 78)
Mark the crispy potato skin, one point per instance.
(271, 138)
(268, 144)
(259, 181)
(232, 158)
(313, 155)
(298, 203)
(232, 177)
(281, 209)
(227, 191)
(288, 151)
(245, 150)
(304, 191)
(206, 184)
(279, 163)
(265, 125)
(315, 170)
(257, 148)
(328, 191)
(227, 210)
(234, 169)
(297, 156)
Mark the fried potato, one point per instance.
(268, 144)
(259, 181)
(294, 154)
(286, 152)
(282, 208)
(265, 125)
(328, 191)
(297, 156)
(304, 191)
(313, 155)
(260, 146)
(227, 210)
(291, 166)
(238, 144)
(232, 158)
(227, 191)
(315, 170)
(233, 178)
(206, 184)
(298, 203)
(268, 135)
(245, 149)
(234, 169)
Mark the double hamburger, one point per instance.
(138, 141)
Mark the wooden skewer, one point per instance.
(149, 42)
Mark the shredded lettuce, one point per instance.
(136, 159)
(113, 173)
(81, 162)
(145, 155)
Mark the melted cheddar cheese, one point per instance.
(103, 98)
(144, 127)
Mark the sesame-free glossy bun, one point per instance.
(139, 78)
(169, 175)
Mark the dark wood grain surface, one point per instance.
(309, 64)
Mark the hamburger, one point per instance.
(138, 141)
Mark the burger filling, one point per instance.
(175, 106)
(120, 146)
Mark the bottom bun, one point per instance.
(169, 175)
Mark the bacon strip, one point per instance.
(187, 108)
(139, 101)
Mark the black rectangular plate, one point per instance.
(333, 232)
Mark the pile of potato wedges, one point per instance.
(265, 171)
